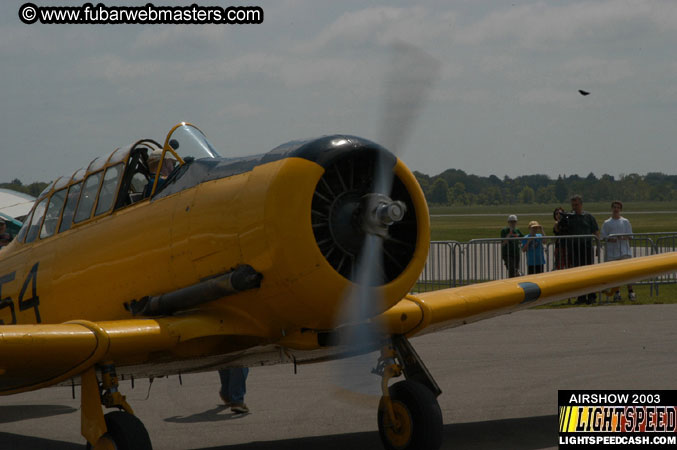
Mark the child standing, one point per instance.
(534, 248)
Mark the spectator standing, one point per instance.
(510, 248)
(534, 248)
(580, 250)
(234, 388)
(560, 256)
(617, 247)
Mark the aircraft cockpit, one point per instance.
(125, 177)
(184, 144)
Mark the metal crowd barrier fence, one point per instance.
(443, 267)
(452, 263)
(663, 243)
(496, 258)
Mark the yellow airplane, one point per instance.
(207, 262)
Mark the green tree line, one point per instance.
(455, 187)
(33, 189)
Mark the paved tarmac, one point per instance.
(499, 379)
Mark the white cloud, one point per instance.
(471, 96)
(382, 26)
(539, 25)
(181, 38)
(119, 70)
(241, 111)
(549, 96)
(591, 71)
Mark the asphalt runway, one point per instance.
(499, 379)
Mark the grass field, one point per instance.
(667, 293)
(463, 223)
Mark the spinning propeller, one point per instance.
(407, 87)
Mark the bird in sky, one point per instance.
(583, 93)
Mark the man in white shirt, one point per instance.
(618, 247)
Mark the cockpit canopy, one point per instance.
(187, 141)
(126, 176)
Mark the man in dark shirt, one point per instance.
(580, 250)
(510, 249)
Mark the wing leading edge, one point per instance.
(452, 307)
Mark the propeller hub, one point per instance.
(389, 213)
(379, 212)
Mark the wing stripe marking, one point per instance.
(531, 292)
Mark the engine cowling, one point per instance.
(322, 236)
(293, 214)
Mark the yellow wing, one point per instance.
(457, 306)
(36, 356)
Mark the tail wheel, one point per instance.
(419, 418)
(126, 431)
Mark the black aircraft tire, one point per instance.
(126, 431)
(418, 412)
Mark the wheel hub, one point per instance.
(399, 435)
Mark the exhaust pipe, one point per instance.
(240, 279)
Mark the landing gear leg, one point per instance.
(409, 417)
(118, 430)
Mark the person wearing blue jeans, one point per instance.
(233, 388)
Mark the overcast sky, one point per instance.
(506, 102)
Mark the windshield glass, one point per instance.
(187, 141)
